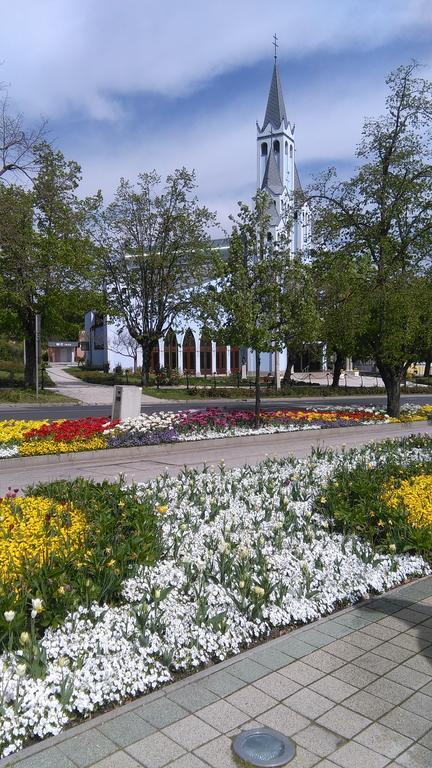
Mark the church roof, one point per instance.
(275, 111)
(297, 183)
(272, 179)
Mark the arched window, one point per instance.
(154, 358)
(171, 347)
(205, 353)
(286, 147)
(189, 347)
(235, 359)
(291, 150)
(276, 147)
(221, 358)
(269, 237)
(264, 148)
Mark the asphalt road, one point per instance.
(64, 411)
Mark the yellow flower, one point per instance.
(162, 509)
(415, 495)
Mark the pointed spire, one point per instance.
(275, 111)
(271, 179)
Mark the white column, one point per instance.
(180, 358)
(277, 370)
(213, 347)
(161, 353)
(197, 357)
(228, 360)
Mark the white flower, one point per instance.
(20, 670)
(9, 616)
(37, 605)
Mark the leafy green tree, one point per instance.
(260, 296)
(338, 284)
(382, 218)
(155, 255)
(46, 257)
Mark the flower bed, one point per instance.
(29, 438)
(243, 552)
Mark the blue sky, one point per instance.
(132, 85)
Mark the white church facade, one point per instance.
(185, 347)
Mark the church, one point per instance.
(186, 348)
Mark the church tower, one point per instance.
(276, 170)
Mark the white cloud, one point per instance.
(63, 55)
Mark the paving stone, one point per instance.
(414, 644)
(301, 673)
(319, 740)
(283, 719)
(303, 759)
(386, 605)
(246, 726)
(426, 740)
(420, 704)
(155, 751)
(323, 661)
(427, 689)
(362, 640)
(355, 675)
(222, 683)
(374, 663)
(416, 757)
(315, 637)
(420, 663)
(192, 696)
(218, 753)
(383, 740)
(344, 721)
(271, 658)
(309, 703)
(406, 723)
(277, 685)
(224, 716)
(248, 670)
(355, 755)
(380, 632)
(372, 614)
(333, 688)
(393, 652)
(400, 624)
(51, 757)
(117, 760)
(409, 677)
(421, 632)
(87, 748)
(353, 621)
(415, 617)
(188, 761)
(125, 729)
(389, 690)
(296, 648)
(367, 705)
(191, 732)
(161, 712)
(252, 701)
(334, 629)
(344, 650)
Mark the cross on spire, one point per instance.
(276, 46)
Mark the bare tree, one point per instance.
(123, 343)
(18, 146)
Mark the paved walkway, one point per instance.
(90, 394)
(141, 464)
(352, 691)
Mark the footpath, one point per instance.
(89, 394)
(352, 690)
(143, 463)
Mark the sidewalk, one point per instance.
(89, 394)
(142, 464)
(353, 691)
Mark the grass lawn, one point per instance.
(21, 395)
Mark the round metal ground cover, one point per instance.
(264, 747)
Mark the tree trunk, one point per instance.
(337, 368)
(257, 388)
(145, 368)
(428, 361)
(286, 381)
(392, 377)
(30, 359)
